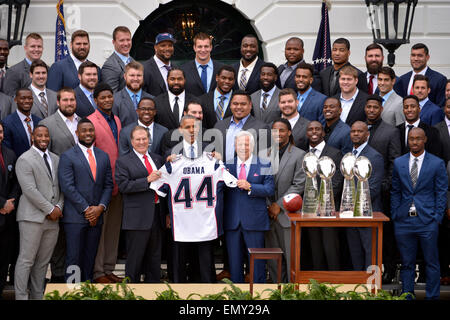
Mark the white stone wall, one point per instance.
(274, 21)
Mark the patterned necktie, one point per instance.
(371, 84)
(135, 101)
(243, 80)
(242, 173)
(30, 131)
(150, 140)
(176, 110)
(92, 164)
(2, 161)
(204, 77)
(47, 165)
(220, 107)
(264, 102)
(149, 170)
(414, 171)
(44, 103)
(313, 150)
(168, 68)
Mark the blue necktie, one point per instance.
(192, 152)
(135, 101)
(204, 77)
(355, 152)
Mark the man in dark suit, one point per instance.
(352, 99)
(293, 51)
(84, 92)
(141, 219)
(430, 113)
(4, 53)
(374, 62)
(447, 89)
(64, 73)
(126, 100)
(419, 59)
(337, 133)
(86, 199)
(385, 139)
(287, 102)
(20, 124)
(310, 101)
(241, 106)
(157, 67)
(249, 66)
(265, 101)
(324, 242)
(146, 112)
(245, 212)
(411, 109)
(44, 100)
(443, 128)
(329, 77)
(18, 76)
(418, 203)
(9, 196)
(216, 103)
(201, 72)
(114, 67)
(360, 239)
(169, 105)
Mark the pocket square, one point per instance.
(256, 175)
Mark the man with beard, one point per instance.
(249, 66)
(86, 198)
(293, 51)
(170, 105)
(18, 76)
(265, 101)
(84, 92)
(216, 103)
(126, 101)
(64, 73)
(374, 61)
(4, 53)
(44, 99)
(157, 67)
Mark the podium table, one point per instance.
(350, 277)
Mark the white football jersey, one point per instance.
(194, 190)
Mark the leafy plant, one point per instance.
(169, 294)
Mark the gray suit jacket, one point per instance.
(289, 177)
(38, 108)
(272, 111)
(393, 110)
(60, 137)
(18, 76)
(123, 106)
(112, 72)
(299, 132)
(40, 191)
(7, 105)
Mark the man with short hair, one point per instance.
(265, 100)
(337, 132)
(126, 101)
(430, 113)
(18, 76)
(44, 100)
(84, 92)
(249, 66)
(374, 62)
(392, 102)
(64, 73)
(419, 58)
(447, 89)
(293, 51)
(114, 67)
(4, 53)
(329, 77)
(444, 133)
(201, 72)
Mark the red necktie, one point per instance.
(30, 131)
(149, 170)
(92, 164)
(242, 173)
(2, 161)
(371, 84)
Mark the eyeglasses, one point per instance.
(147, 109)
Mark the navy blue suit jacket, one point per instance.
(437, 86)
(78, 185)
(377, 176)
(313, 106)
(429, 194)
(340, 138)
(431, 114)
(15, 135)
(84, 106)
(249, 210)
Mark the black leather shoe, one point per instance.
(388, 277)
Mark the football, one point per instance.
(292, 202)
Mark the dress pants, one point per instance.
(105, 261)
(57, 262)
(202, 251)
(324, 244)
(407, 242)
(6, 237)
(81, 249)
(37, 241)
(360, 246)
(279, 237)
(238, 242)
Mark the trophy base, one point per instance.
(327, 217)
(363, 217)
(309, 215)
(346, 214)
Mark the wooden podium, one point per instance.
(349, 277)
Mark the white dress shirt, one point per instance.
(187, 148)
(181, 99)
(149, 128)
(411, 80)
(360, 148)
(319, 148)
(419, 162)
(141, 157)
(162, 69)
(71, 125)
(86, 154)
(347, 105)
(76, 61)
(247, 165)
(270, 95)
(38, 91)
(249, 68)
(293, 120)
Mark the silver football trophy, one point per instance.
(363, 204)
(326, 169)
(311, 193)
(348, 191)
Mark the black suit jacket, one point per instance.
(338, 179)
(84, 106)
(164, 114)
(9, 186)
(357, 112)
(325, 76)
(153, 80)
(209, 115)
(193, 82)
(253, 83)
(173, 137)
(445, 139)
(433, 144)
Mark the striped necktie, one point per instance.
(243, 80)
(414, 171)
(220, 107)
(44, 102)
